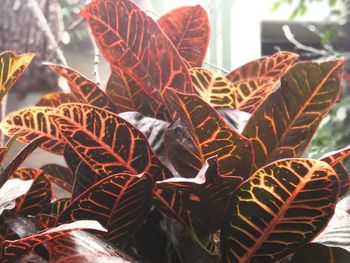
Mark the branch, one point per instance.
(215, 67)
(289, 35)
(96, 58)
(45, 27)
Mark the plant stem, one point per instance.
(289, 35)
(2, 117)
(44, 25)
(96, 59)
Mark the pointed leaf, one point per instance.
(127, 95)
(335, 159)
(337, 231)
(71, 158)
(188, 29)
(33, 123)
(84, 89)
(207, 193)
(293, 112)
(20, 157)
(270, 68)
(210, 136)
(55, 99)
(281, 207)
(107, 143)
(59, 175)
(7, 148)
(132, 41)
(37, 199)
(11, 190)
(85, 177)
(12, 67)
(14, 250)
(80, 246)
(236, 119)
(119, 202)
(220, 92)
(153, 129)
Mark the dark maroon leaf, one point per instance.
(37, 199)
(119, 202)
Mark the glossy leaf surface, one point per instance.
(59, 175)
(132, 41)
(37, 199)
(275, 211)
(270, 68)
(85, 177)
(127, 95)
(12, 67)
(17, 161)
(209, 135)
(220, 92)
(84, 89)
(207, 194)
(80, 246)
(14, 250)
(33, 123)
(10, 191)
(189, 30)
(119, 202)
(106, 142)
(294, 111)
(153, 129)
(335, 159)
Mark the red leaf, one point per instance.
(59, 175)
(106, 142)
(335, 159)
(127, 95)
(208, 193)
(293, 112)
(31, 123)
(133, 42)
(209, 135)
(80, 246)
(84, 89)
(37, 199)
(12, 67)
(189, 30)
(14, 250)
(17, 161)
(270, 68)
(119, 202)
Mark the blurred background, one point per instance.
(241, 30)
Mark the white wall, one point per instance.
(245, 21)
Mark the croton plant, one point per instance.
(171, 162)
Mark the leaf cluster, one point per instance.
(171, 162)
